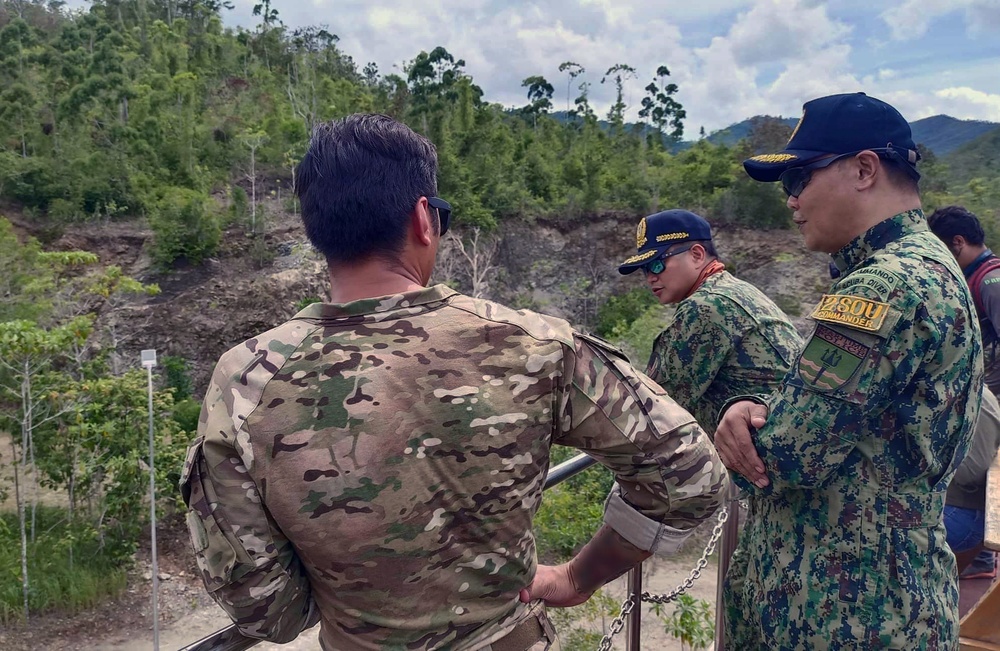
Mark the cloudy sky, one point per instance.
(731, 58)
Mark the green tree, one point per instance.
(540, 97)
(660, 106)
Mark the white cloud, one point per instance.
(912, 18)
(968, 100)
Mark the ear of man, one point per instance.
(423, 222)
(867, 170)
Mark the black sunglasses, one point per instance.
(658, 265)
(444, 211)
(795, 179)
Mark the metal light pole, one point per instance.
(148, 362)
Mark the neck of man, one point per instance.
(970, 254)
(877, 212)
(372, 278)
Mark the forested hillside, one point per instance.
(149, 130)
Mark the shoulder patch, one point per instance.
(852, 311)
(831, 359)
(879, 281)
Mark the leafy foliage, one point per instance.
(691, 622)
(78, 422)
(144, 109)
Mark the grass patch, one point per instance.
(66, 569)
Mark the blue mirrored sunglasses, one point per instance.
(444, 211)
(658, 265)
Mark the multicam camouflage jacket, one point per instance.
(726, 339)
(848, 548)
(381, 461)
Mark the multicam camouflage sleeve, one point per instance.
(669, 476)
(248, 566)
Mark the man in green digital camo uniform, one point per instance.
(851, 457)
(375, 463)
(725, 337)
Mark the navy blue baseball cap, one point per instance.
(657, 233)
(840, 124)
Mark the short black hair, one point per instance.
(899, 176)
(950, 221)
(358, 183)
(709, 247)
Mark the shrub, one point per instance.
(183, 228)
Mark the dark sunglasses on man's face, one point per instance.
(658, 265)
(444, 211)
(795, 179)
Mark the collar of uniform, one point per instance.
(980, 259)
(877, 237)
(376, 304)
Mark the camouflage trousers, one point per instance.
(901, 594)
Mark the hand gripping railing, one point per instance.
(230, 638)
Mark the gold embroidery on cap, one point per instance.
(641, 256)
(672, 236)
(774, 158)
(796, 129)
(640, 234)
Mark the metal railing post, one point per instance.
(730, 535)
(635, 617)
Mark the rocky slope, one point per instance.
(566, 268)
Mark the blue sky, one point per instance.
(731, 58)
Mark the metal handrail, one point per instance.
(230, 638)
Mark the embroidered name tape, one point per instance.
(851, 311)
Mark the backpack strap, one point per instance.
(976, 285)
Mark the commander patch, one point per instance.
(831, 359)
(851, 311)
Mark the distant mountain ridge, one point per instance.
(942, 134)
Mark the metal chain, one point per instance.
(618, 623)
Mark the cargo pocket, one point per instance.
(220, 556)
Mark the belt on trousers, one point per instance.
(522, 637)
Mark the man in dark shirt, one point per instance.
(961, 231)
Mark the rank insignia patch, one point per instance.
(851, 311)
(831, 359)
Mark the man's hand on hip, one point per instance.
(554, 585)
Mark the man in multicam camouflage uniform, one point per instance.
(725, 337)
(375, 463)
(851, 457)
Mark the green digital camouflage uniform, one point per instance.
(860, 444)
(726, 339)
(381, 462)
